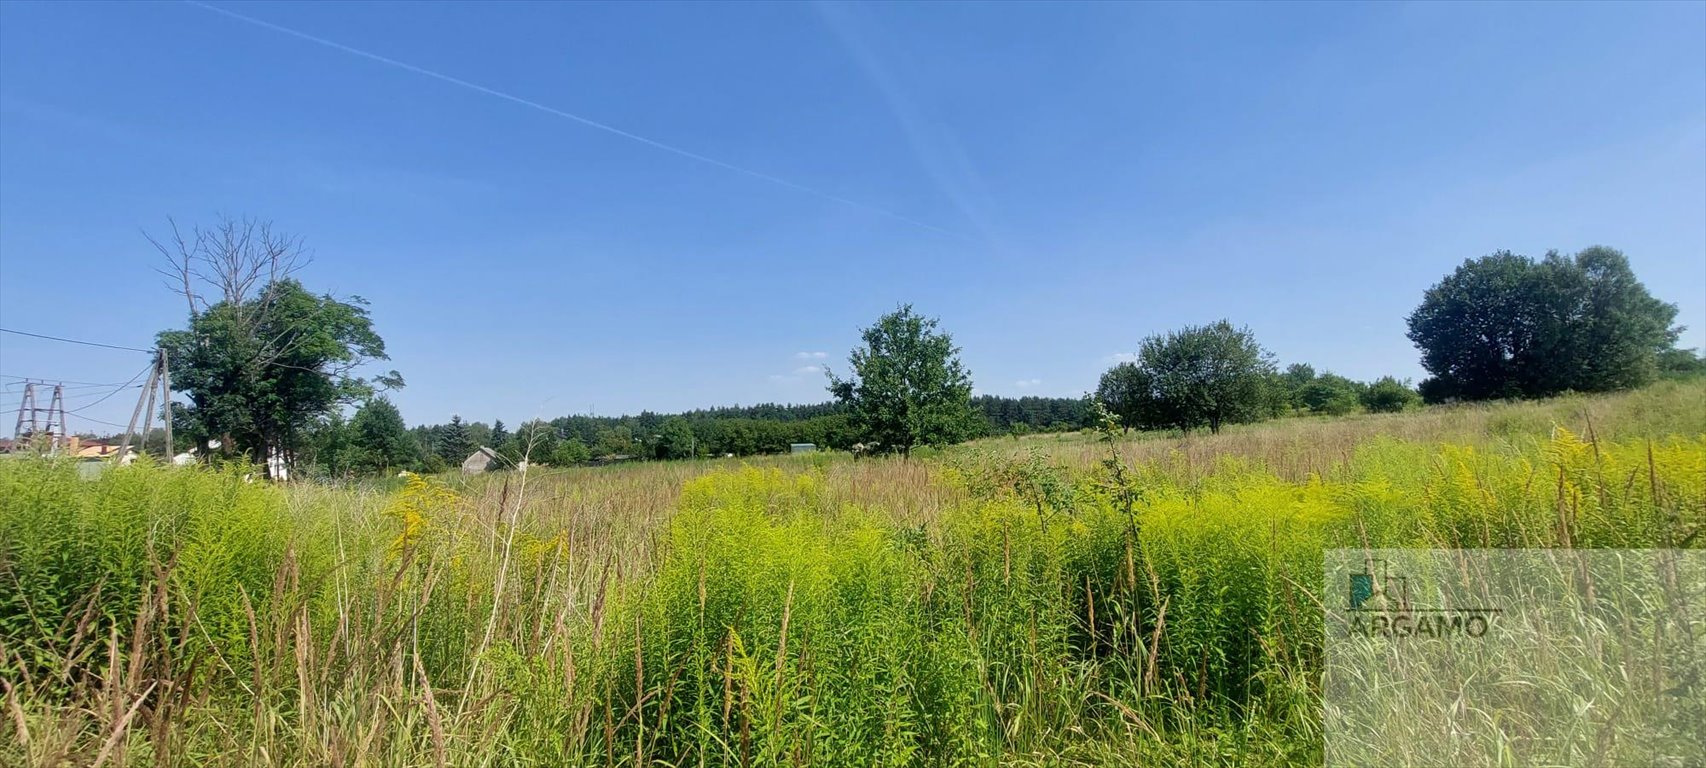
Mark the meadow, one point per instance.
(1081, 599)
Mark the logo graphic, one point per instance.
(1380, 605)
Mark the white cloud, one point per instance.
(799, 376)
(1120, 357)
(1028, 383)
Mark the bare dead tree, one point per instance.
(240, 264)
(235, 260)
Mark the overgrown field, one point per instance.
(1030, 602)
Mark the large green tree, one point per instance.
(381, 439)
(1128, 391)
(1681, 363)
(330, 447)
(1389, 395)
(1331, 394)
(1296, 377)
(263, 360)
(479, 434)
(676, 440)
(1509, 326)
(907, 386)
(1198, 376)
(616, 441)
(258, 373)
(534, 441)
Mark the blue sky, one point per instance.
(1054, 181)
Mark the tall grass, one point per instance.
(1295, 448)
(992, 606)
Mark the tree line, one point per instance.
(1210, 376)
(729, 431)
(1501, 326)
(268, 370)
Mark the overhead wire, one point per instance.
(75, 341)
(97, 421)
(69, 384)
(64, 384)
(73, 397)
(120, 388)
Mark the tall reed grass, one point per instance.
(1063, 603)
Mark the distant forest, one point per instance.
(739, 430)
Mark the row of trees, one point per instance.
(268, 370)
(906, 387)
(1214, 375)
(1501, 326)
(713, 432)
(1328, 393)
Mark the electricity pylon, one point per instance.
(52, 425)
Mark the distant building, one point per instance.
(92, 449)
(72, 446)
(482, 460)
(802, 447)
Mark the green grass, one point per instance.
(1004, 603)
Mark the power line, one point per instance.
(66, 382)
(653, 143)
(13, 386)
(97, 393)
(97, 421)
(74, 341)
(120, 388)
(103, 398)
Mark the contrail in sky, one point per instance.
(655, 144)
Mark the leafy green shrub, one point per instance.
(1331, 394)
(1389, 395)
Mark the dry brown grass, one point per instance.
(1296, 448)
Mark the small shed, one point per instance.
(482, 460)
(802, 447)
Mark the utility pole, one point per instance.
(159, 383)
(166, 387)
